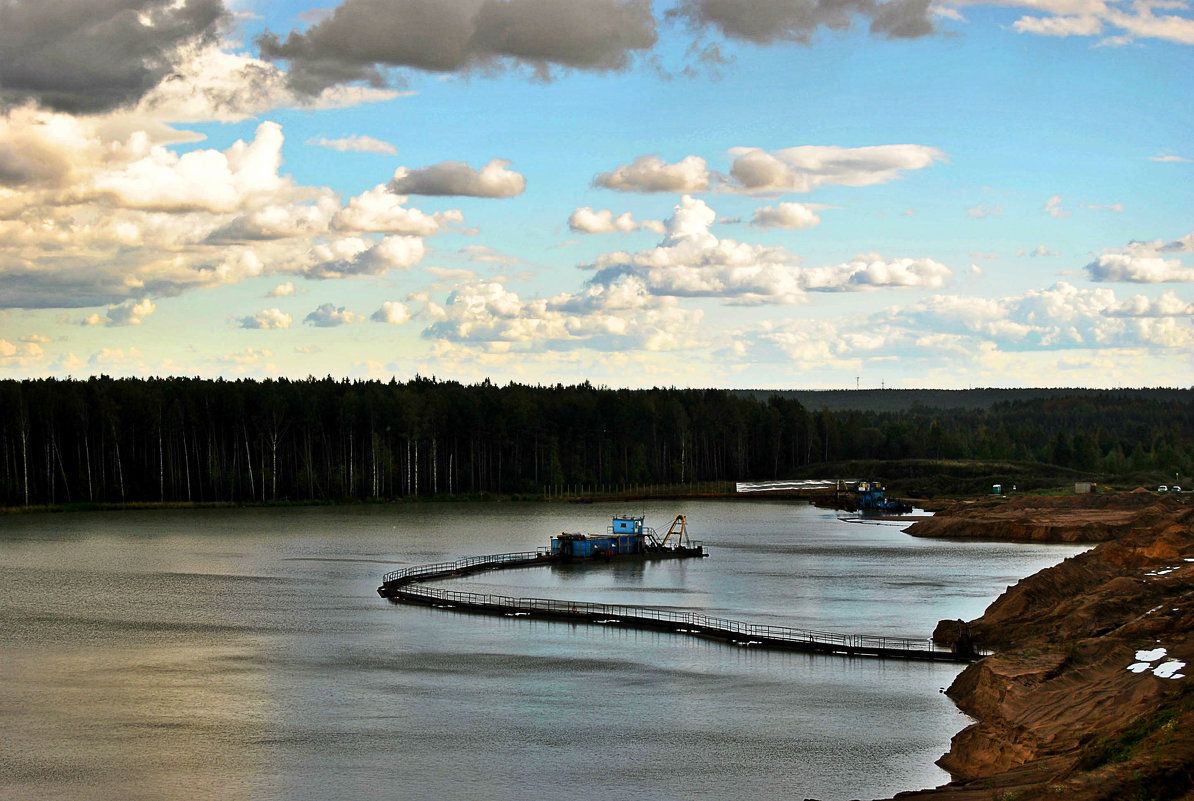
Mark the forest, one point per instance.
(105, 440)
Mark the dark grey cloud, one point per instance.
(902, 19)
(767, 21)
(70, 283)
(589, 34)
(364, 37)
(95, 55)
(26, 160)
(458, 178)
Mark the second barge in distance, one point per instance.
(627, 536)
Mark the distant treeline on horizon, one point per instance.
(105, 440)
(900, 400)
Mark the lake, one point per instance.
(245, 654)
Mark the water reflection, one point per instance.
(132, 723)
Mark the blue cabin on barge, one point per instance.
(870, 498)
(626, 535)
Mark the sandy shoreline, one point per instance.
(1090, 693)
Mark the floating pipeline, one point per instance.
(405, 586)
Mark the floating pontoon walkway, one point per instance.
(404, 585)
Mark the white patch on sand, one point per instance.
(1150, 656)
(1139, 667)
(1169, 670)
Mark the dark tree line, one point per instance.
(189, 439)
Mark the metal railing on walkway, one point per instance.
(466, 565)
(404, 585)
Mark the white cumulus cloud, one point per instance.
(1144, 263)
(392, 312)
(1060, 25)
(131, 312)
(328, 315)
(586, 221)
(267, 318)
(790, 216)
(278, 218)
(354, 256)
(1054, 208)
(1059, 317)
(382, 211)
(201, 180)
(616, 317)
(208, 83)
(356, 143)
(102, 222)
(1118, 23)
(804, 168)
(650, 173)
(1167, 305)
(693, 262)
(21, 354)
(873, 271)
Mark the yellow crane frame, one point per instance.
(680, 519)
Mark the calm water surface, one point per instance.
(245, 654)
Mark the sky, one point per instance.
(709, 193)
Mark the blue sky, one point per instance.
(691, 193)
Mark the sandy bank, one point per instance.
(1070, 518)
(1091, 693)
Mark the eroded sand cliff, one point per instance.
(1091, 692)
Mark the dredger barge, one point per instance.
(626, 537)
